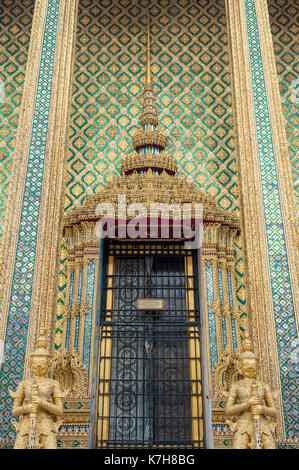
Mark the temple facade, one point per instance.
(117, 107)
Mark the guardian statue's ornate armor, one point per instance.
(39, 403)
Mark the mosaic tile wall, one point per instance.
(15, 25)
(192, 83)
(285, 33)
(15, 344)
(190, 65)
(282, 296)
(70, 303)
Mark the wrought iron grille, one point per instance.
(149, 373)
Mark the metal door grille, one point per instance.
(149, 379)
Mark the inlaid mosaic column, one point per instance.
(32, 230)
(267, 199)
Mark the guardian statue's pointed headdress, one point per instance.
(41, 348)
(247, 349)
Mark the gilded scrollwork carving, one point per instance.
(69, 371)
(75, 310)
(225, 373)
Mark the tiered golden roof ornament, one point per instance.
(149, 174)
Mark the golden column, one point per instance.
(49, 70)
(268, 211)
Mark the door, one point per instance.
(150, 382)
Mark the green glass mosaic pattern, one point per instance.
(211, 316)
(15, 26)
(192, 83)
(282, 295)
(285, 33)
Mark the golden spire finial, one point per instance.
(149, 137)
(149, 114)
(247, 349)
(148, 78)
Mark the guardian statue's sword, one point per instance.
(256, 421)
(33, 417)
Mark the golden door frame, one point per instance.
(194, 350)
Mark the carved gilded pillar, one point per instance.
(82, 266)
(223, 292)
(44, 298)
(105, 347)
(234, 311)
(82, 319)
(34, 208)
(67, 310)
(268, 210)
(209, 258)
(216, 306)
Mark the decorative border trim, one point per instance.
(282, 296)
(24, 265)
(267, 205)
(88, 321)
(57, 43)
(20, 161)
(211, 316)
(231, 304)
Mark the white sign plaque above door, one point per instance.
(150, 304)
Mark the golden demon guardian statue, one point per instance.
(39, 400)
(251, 402)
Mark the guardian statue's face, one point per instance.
(249, 368)
(39, 365)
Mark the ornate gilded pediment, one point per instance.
(225, 373)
